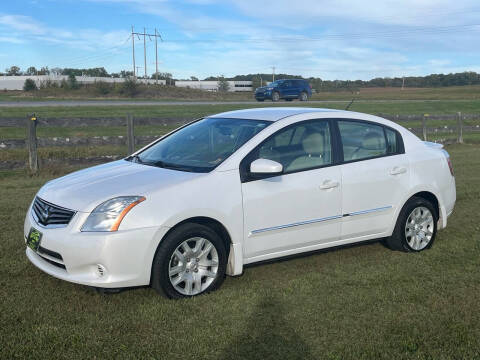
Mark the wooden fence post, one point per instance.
(459, 128)
(130, 135)
(32, 143)
(424, 126)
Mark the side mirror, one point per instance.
(265, 167)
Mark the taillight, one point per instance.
(449, 162)
(450, 166)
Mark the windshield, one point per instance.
(202, 145)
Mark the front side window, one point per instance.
(202, 145)
(361, 140)
(299, 147)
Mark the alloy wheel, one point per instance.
(419, 228)
(193, 266)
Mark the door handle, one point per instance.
(397, 170)
(329, 184)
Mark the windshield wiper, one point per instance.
(165, 165)
(134, 158)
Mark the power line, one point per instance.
(392, 33)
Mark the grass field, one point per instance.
(194, 111)
(361, 302)
(165, 93)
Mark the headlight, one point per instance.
(108, 215)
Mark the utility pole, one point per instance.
(145, 51)
(133, 51)
(273, 73)
(156, 59)
(144, 34)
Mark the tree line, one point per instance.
(432, 80)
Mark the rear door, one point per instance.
(288, 88)
(375, 177)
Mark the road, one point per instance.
(161, 103)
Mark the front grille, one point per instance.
(48, 214)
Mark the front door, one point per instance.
(301, 208)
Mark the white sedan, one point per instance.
(237, 188)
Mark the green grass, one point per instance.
(362, 302)
(64, 152)
(165, 93)
(84, 131)
(194, 110)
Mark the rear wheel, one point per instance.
(416, 226)
(303, 96)
(190, 261)
(275, 96)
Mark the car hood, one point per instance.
(85, 189)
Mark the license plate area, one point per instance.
(33, 239)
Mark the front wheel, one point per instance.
(416, 226)
(275, 96)
(190, 261)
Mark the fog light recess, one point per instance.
(101, 271)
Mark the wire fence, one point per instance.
(130, 133)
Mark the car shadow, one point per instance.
(267, 335)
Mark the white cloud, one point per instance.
(23, 24)
(11, 40)
(389, 12)
(344, 39)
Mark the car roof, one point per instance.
(273, 113)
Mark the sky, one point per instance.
(330, 39)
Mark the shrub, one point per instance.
(29, 85)
(102, 87)
(223, 84)
(48, 84)
(72, 82)
(130, 87)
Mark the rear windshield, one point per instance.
(202, 145)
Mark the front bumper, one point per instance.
(263, 95)
(125, 256)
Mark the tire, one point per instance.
(420, 233)
(197, 273)
(275, 96)
(303, 96)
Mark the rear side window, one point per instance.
(392, 144)
(362, 140)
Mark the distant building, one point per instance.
(213, 85)
(16, 82)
